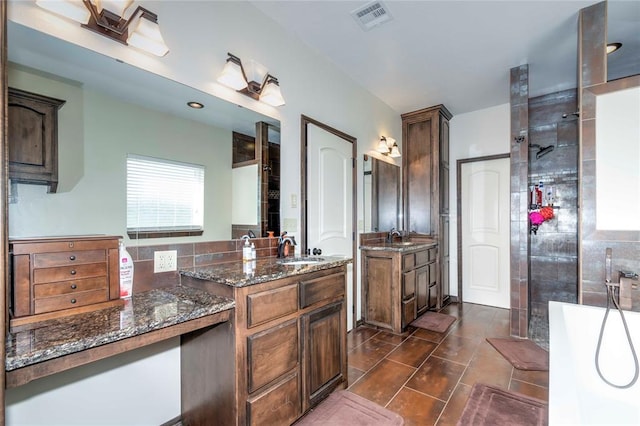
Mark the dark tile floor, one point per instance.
(426, 377)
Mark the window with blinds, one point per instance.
(164, 197)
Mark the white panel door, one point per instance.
(485, 232)
(329, 199)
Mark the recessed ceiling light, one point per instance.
(612, 47)
(195, 105)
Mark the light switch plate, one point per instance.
(165, 261)
(290, 224)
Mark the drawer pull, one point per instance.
(72, 257)
(73, 272)
(73, 286)
(73, 300)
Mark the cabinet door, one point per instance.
(325, 353)
(408, 285)
(443, 285)
(379, 291)
(33, 138)
(422, 289)
(418, 179)
(432, 301)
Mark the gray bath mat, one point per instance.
(346, 408)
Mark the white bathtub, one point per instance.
(577, 395)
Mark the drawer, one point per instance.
(65, 273)
(63, 245)
(47, 260)
(422, 257)
(323, 288)
(271, 353)
(408, 261)
(433, 274)
(433, 252)
(271, 304)
(408, 284)
(66, 301)
(68, 287)
(408, 312)
(279, 405)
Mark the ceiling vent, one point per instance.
(371, 15)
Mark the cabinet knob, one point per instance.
(73, 286)
(73, 300)
(72, 257)
(73, 272)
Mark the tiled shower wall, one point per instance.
(553, 251)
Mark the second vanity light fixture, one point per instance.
(388, 146)
(106, 17)
(234, 75)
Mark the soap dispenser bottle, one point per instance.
(254, 255)
(246, 251)
(126, 272)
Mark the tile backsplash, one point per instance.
(191, 255)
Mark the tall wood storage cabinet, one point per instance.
(425, 168)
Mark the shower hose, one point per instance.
(611, 298)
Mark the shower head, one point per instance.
(544, 151)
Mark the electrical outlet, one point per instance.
(165, 261)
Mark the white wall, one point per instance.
(474, 134)
(310, 84)
(139, 387)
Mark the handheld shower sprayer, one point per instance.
(612, 298)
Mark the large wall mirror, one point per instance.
(618, 160)
(381, 195)
(611, 131)
(112, 110)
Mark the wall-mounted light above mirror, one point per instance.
(246, 80)
(388, 146)
(107, 17)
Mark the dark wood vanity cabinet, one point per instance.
(32, 136)
(425, 161)
(398, 286)
(289, 349)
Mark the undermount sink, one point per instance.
(402, 243)
(301, 261)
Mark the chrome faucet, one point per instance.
(248, 235)
(282, 241)
(393, 232)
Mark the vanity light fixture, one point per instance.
(612, 47)
(234, 76)
(388, 146)
(106, 17)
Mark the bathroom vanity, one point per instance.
(399, 281)
(288, 344)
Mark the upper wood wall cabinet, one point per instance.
(425, 168)
(33, 138)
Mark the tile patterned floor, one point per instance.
(426, 377)
(539, 328)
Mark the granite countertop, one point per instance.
(144, 312)
(242, 274)
(404, 246)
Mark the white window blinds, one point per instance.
(164, 195)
